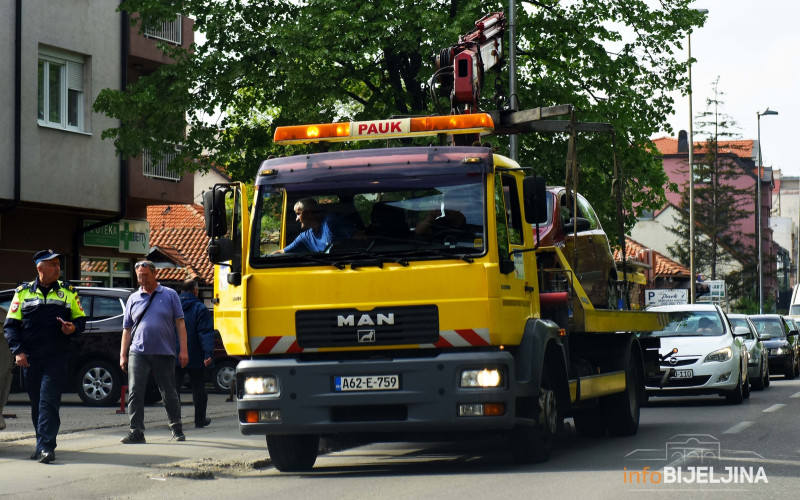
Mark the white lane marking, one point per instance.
(795, 395)
(774, 408)
(739, 427)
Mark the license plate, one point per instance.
(681, 374)
(366, 383)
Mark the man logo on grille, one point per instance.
(366, 336)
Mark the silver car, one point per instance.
(758, 364)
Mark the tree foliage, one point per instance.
(721, 250)
(273, 62)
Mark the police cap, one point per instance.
(44, 255)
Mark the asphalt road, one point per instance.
(757, 440)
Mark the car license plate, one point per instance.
(367, 383)
(681, 374)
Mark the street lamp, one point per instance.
(693, 286)
(767, 112)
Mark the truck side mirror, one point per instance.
(534, 194)
(219, 250)
(214, 205)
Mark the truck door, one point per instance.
(515, 291)
(230, 276)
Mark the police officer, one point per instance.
(43, 315)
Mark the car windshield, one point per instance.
(692, 324)
(772, 326)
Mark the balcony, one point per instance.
(168, 31)
(159, 170)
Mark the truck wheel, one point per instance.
(535, 443)
(590, 423)
(293, 453)
(621, 411)
(98, 383)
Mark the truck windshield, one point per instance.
(399, 219)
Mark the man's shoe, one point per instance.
(2, 421)
(46, 457)
(202, 424)
(178, 435)
(134, 437)
(35, 455)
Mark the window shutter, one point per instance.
(75, 76)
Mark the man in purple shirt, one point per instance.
(152, 316)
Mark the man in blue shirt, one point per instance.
(152, 316)
(319, 231)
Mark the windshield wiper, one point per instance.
(308, 258)
(436, 253)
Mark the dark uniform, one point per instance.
(32, 328)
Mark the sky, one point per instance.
(754, 48)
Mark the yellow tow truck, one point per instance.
(397, 293)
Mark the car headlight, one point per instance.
(487, 377)
(780, 350)
(723, 354)
(259, 386)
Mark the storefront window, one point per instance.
(103, 271)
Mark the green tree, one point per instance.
(266, 63)
(720, 207)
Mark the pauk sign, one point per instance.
(663, 297)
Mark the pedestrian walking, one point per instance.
(200, 344)
(152, 316)
(44, 314)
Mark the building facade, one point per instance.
(61, 185)
(652, 231)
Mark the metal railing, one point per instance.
(159, 170)
(169, 31)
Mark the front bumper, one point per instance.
(428, 397)
(708, 378)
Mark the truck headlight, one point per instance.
(486, 377)
(258, 386)
(723, 354)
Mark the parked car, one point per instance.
(782, 345)
(758, 364)
(94, 372)
(595, 267)
(700, 354)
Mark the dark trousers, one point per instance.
(163, 368)
(197, 379)
(45, 379)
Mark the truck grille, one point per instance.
(380, 326)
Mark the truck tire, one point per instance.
(294, 453)
(535, 443)
(621, 411)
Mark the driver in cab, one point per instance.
(319, 230)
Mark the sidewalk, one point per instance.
(91, 461)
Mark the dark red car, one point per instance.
(593, 261)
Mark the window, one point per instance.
(61, 90)
(102, 271)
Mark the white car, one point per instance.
(699, 354)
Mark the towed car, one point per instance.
(758, 363)
(699, 354)
(782, 345)
(584, 243)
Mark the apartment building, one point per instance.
(61, 185)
